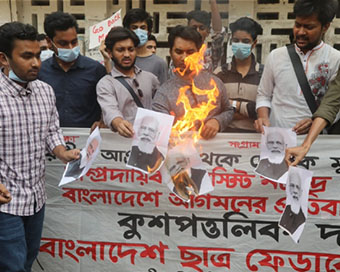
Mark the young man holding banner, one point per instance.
(281, 101)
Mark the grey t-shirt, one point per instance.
(155, 65)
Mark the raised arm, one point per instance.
(216, 21)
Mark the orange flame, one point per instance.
(194, 115)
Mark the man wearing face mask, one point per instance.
(139, 21)
(73, 77)
(242, 76)
(29, 126)
(280, 100)
(45, 51)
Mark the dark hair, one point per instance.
(10, 32)
(59, 21)
(119, 33)
(41, 37)
(199, 16)
(248, 25)
(186, 33)
(324, 9)
(137, 15)
(152, 38)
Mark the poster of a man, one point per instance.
(185, 172)
(150, 140)
(77, 168)
(273, 144)
(295, 213)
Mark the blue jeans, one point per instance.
(19, 241)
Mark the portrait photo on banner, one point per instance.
(274, 141)
(78, 168)
(150, 140)
(185, 173)
(297, 190)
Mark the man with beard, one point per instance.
(280, 101)
(293, 215)
(118, 104)
(185, 41)
(29, 127)
(140, 22)
(145, 154)
(274, 166)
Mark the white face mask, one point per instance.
(46, 54)
(68, 55)
(142, 36)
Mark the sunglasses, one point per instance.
(140, 92)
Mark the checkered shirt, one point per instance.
(29, 126)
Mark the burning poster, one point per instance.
(185, 173)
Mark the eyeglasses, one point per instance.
(140, 92)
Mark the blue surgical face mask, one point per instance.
(240, 50)
(142, 35)
(14, 77)
(46, 54)
(68, 55)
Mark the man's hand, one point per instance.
(303, 126)
(5, 196)
(102, 49)
(123, 127)
(66, 155)
(259, 123)
(295, 154)
(99, 124)
(210, 129)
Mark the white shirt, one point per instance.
(279, 89)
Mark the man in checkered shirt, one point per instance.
(29, 125)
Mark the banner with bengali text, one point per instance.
(120, 219)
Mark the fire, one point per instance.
(194, 116)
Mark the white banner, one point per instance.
(99, 31)
(120, 219)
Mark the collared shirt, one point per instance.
(29, 126)
(244, 90)
(279, 89)
(166, 98)
(75, 90)
(116, 101)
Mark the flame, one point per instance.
(184, 185)
(194, 116)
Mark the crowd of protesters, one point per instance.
(45, 84)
